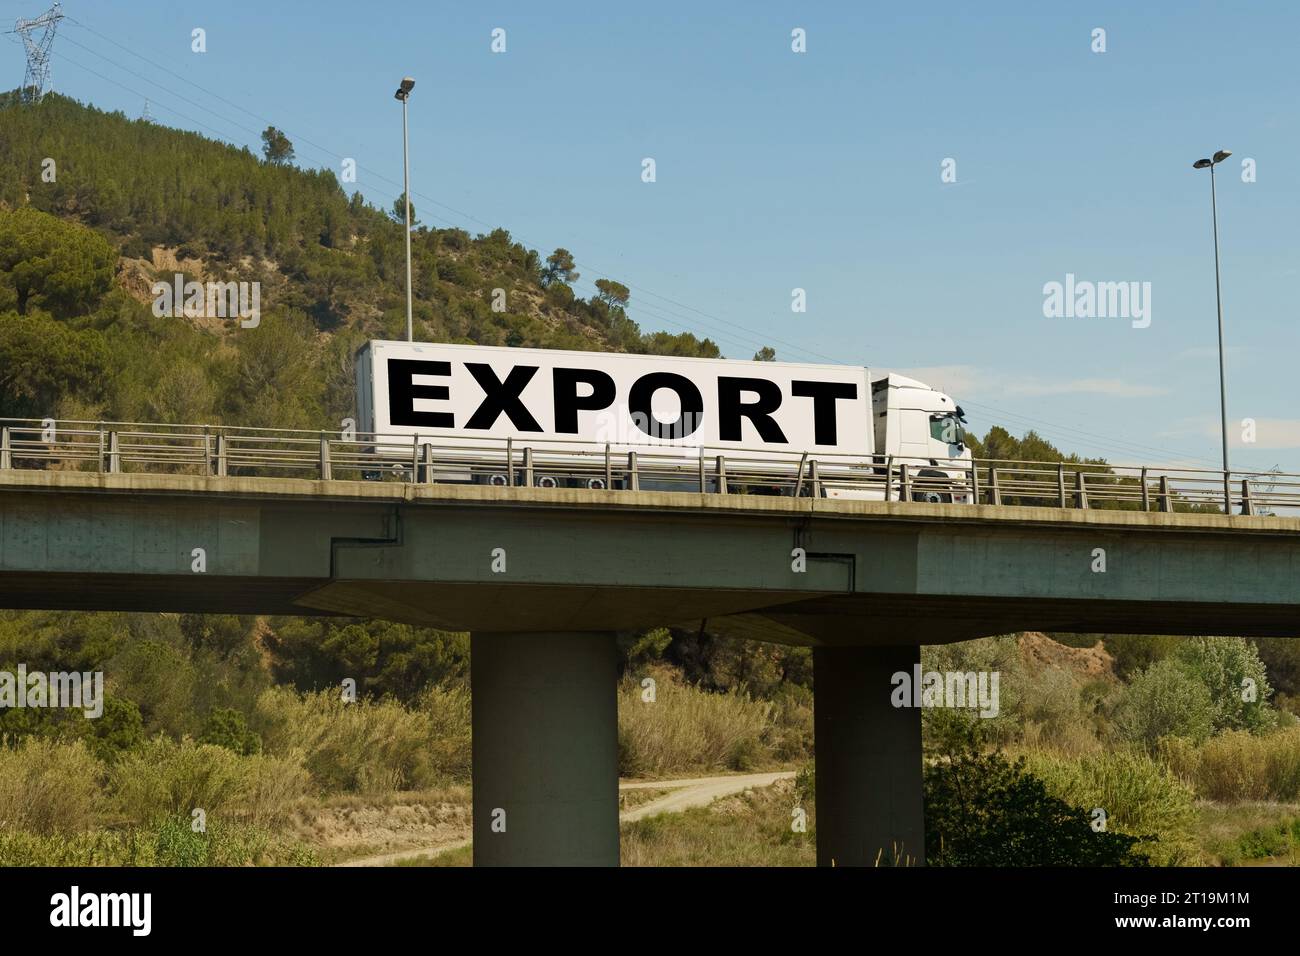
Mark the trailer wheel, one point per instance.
(930, 495)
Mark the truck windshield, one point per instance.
(947, 429)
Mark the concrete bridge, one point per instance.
(545, 578)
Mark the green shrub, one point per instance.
(1164, 700)
(1139, 796)
(1226, 666)
(983, 810)
(166, 780)
(118, 730)
(227, 727)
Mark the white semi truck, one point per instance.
(563, 418)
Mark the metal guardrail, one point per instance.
(142, 447)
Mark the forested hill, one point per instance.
(95, 207)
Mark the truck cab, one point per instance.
(923, 428)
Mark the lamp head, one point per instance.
(1221, 155)
(1201, 164)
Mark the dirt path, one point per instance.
(692, 792)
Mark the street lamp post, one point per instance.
(1219, 157)
(404, 93)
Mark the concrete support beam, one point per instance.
(545, 724)
(869, 800)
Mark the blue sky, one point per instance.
(777, 170)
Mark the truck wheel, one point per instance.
(930, 495)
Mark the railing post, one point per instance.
(631, 471)
(324, 457)
(207, 452)
(798, 484)
(721, 472)
(99, 434)
(1247, 507)
(114, 456)
(700, 459)
(1146, 492)
(994, 491)
(905, 483)
(528, 467)
(428, 463)
(1082, 495)
(815, 478)
(1060, 481)
(889, 477)
(1227, 492)
(223, 453)
(6, 448)
(510, 462)
(974, 483)
(1166, 504)
(609, 470)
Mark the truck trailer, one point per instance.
(578, 419)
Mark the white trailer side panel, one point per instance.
(552, 400)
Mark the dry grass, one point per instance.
(1238, 766)
(48, 787)
(686, 729)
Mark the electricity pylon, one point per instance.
(37, 77)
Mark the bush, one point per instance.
(1165, 700)
(983, 810)
(226, 727)
(447, 710)
(1139, 796)
(1226, 666)
(48, 786)
(167, 780)
(118, 730)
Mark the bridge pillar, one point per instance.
(868, 793)
(545, 749)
